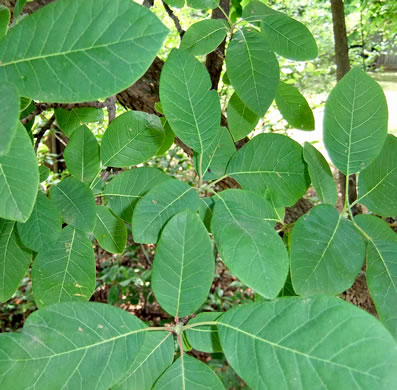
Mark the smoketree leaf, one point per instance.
(9, 114)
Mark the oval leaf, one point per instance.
(355, 122)
(377, 184)
(183, 266)
(288, 37)
(242, 225)
(82, 155)
(240, 118)
(160, 204)
(273, 163)
(9, 114)
(204, 37)
(381, 271)
(80, 59)
(19, 178)
(75, 202)
(155, 355)
(192, 110)
(188, 373)
(294, 107)
(132, 138)
(125, 189)
(320, 174)
(110, 231)
(43, 227)
(65, 271)
(252, 69)
(14, 260)
(71, 346)
(326, 251)
(5, 16)
(311, 343)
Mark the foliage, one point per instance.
(312, 340)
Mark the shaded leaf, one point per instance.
(288, 37)
(9, 115)
(169, 137)
(320, 174)
(326, 251)
(132, 138)
(110, 231)
(70, 120)
(4, 20)
(19, 178)
(192, 110)
(206, 209)
(272, 163)
(157, 206)
(242, 225)
(183, 266)
(204, 338)
(252, 69)
(75, 202)
(82, 155)
(204, 37)
(153, 358)
(188, 373)
(294, 107)
(44, 172)
(71, 346)
(74, 61)
(14, 260)
(377, 184)
(125, 189)
(310, 343)
(64, 271)
(43, 227)
(381, 270)
(18, 8)
(240, 118)
(355, 122)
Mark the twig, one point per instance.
(42, 131)
(111, 107)
(174, 18)
(146, 255)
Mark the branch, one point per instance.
(42, 131)
(174, 18)
(33, 6)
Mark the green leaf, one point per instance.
(204, 338)
(160, 204)
(294, 107)
(155, 355)
(75, 61)
(381, 271)
(204, 37)
(64, 271)
(377, 184)
(169, 137)
(202, 4)
(355, 122)
(288, 37)
(126, 188)
(72, 346)
(252, 69)
(255, 10)
(206, 208)
(320, 174)
(70, 120)
(273, 163)
(44, 172)
(326, 251)
(215, 158)
(9, 115)
(14, 260)
(18, 8)
(310, 343)
(192, 110)
(19, 178)
(188, 373)
(110, 231)
(183, 266)
(176, 3)
(132, 138)
(43, 227)
(242, 225)
(75, 202)
(240, 118)
(82, 155)
(5, 16)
